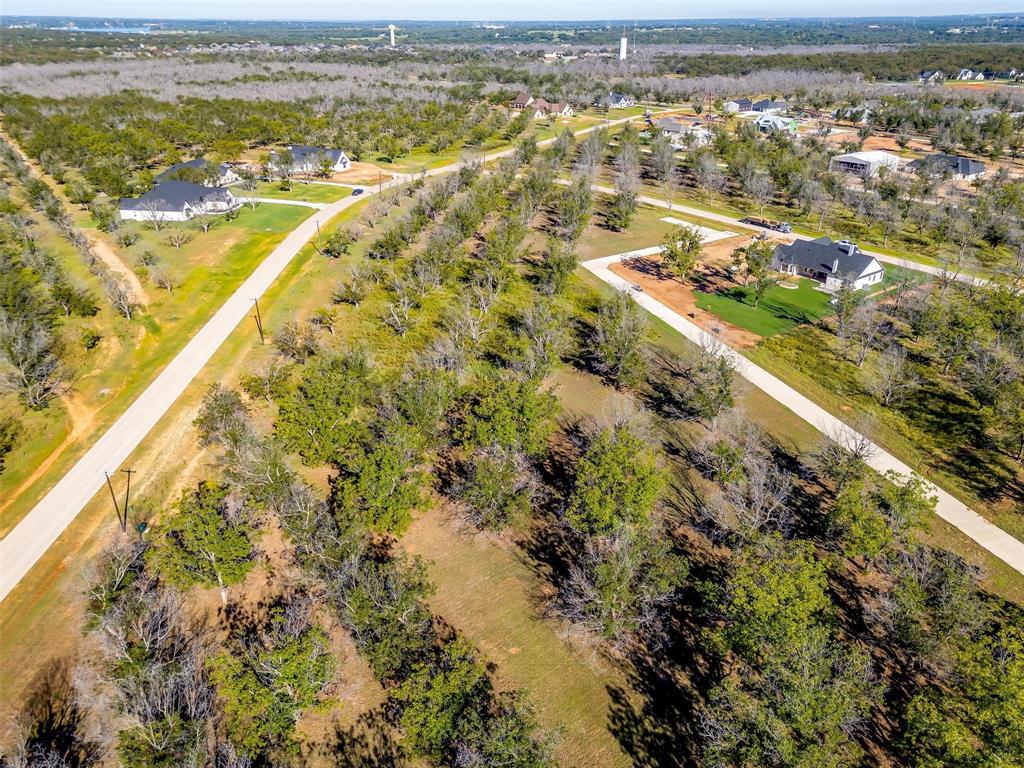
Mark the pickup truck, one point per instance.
(777, 226)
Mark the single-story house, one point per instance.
(540, 107)
(522, 101)
(615, 101)
(769, 123)
(865, 164)
(177, 201)
(310, 160)
(201, 171)
(932, 76)
(957, 165)
(770, 106)
(739, 105)
(684, 135)
(832, 264)
(560, 108)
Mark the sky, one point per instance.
(571, 10)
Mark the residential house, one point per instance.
(932, 76)
(615, 101)
(832, 264)
(522, 101)
(739, 105)
(177, 201)
(768, 123)
(314, 160)
(865, 164)
(540, 108)
(201, 171)
(684, 135)
(970, 74)
(560, 109)
(958, 166)
(769, 106)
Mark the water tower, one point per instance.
(391, 29)
(623, 41)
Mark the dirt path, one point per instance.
(82, 418)
(112, 261)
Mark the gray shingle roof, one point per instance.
(199, 164)
(174, 196)
(958, 164)
(821, 254)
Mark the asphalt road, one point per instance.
(989, 536)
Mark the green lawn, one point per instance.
(779, 309)
(306, 193)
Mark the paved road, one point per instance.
(33, 534)
(736, 222)
(989, 536)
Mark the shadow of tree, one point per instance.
(53, 721)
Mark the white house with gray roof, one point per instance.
(830, 263)
(177, 201)
(314, 160)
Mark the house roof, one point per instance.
(540, 104)
(769, 104)
(958, 164)
(776, 121)
(174, 196)
(302, 153)
(670, 126)
(198, 164)
(522, 98)
(871, 156)
(742, 102)
(821, 255)
(558, 106)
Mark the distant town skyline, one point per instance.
(498, 10)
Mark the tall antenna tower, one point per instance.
(623, 41)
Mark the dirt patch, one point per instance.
(361, 173)
(113, 263)
(711, 275)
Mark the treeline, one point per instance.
(903, 63)
(114, 141)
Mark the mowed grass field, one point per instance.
(780, 309)
(301, 191)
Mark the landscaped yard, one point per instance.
(307, 193)
(779, 310)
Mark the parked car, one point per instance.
(357, 191)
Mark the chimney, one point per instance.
(835, 266)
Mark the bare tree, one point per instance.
(31, 367)
(155, 215)
(895, 376)
(760, 188)
(178, 237)
(663, 166)
(120, 296)
(165, 280)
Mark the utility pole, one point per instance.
(123, 522)
(127, 497)
(259, 321)
(319, 245)
(380, 181)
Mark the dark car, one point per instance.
(357, 191)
